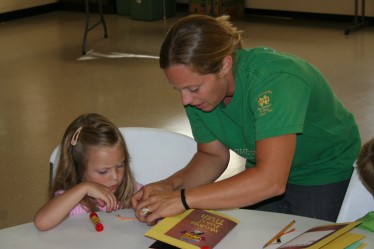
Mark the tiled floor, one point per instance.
(43, 85)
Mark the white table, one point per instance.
(254, 230)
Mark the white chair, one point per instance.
(358, 200)
(154, 153)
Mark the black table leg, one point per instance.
(89, 26)
(358, 24)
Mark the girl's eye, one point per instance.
(103, 172)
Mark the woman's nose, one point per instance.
(186, 98)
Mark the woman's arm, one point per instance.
(268, 178)
(59, 207)
(206, 166)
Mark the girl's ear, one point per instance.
(226, 65)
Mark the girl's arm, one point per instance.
(59, 207)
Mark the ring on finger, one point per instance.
(145, 210)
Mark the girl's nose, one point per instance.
(114, 174)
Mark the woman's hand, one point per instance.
(159, 205)
(144, 193)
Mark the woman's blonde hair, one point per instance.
(84, 133)
(200, 42)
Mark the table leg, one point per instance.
(89, 27)
(358, 24)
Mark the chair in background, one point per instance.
(155, 153)
(358, 200)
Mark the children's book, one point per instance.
(162, 245)
(331, 236)
(192, 229)
(343, 241)
(357, 245)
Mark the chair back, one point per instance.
(358, 200)
(154, 153)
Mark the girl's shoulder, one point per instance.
(138, 186)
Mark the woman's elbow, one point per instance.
(278, 188)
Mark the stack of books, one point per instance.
(331, 236)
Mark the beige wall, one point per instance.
(340, 7)
(12, 5)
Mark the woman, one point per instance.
(274, 109)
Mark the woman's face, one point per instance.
(202, 91)
(105, 165)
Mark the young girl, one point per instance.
(93, 172)
(365, 164)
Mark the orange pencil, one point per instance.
(279, 234)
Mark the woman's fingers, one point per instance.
(136, 199)
(158, 206)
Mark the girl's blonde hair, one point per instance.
(365, 163)
(88, 131)
(200, 42)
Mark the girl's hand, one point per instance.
(102, 194)
(58, 208)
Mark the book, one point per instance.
(331, 236)
(161, 245)
(357, 245)
(193, 229)
(344, 241)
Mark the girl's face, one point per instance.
(202, 91)
(105, 165)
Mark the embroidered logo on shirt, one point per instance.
(264, 103)
(246, 153)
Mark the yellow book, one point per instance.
(320, 237)
(193, 229)
(357, 245)
(344, 241)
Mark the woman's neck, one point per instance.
(230, 89)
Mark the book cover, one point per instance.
(325, 237)
(344, 241)
(193, 229)
(357, 245)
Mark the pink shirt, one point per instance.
(80, 209)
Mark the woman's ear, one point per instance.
(226, 65)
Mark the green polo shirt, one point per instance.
(278, 94)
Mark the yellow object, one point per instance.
(330, 236)
(193, 229)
